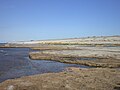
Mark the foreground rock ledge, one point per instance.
(70, 79)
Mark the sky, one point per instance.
(22, 20)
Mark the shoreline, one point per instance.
(70, 79)
(91, 61)
(93, 52)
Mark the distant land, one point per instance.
(95, 40)
(71, 40)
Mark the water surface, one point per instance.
(15, 62)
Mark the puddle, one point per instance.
(85, 58)
(79, 58)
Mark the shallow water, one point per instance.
(85, 58)
(14, 63)
(79, 58)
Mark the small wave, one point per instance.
(5, 54)
(1, 50)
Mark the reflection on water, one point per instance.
(14, 62)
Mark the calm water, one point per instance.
(14, 63)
